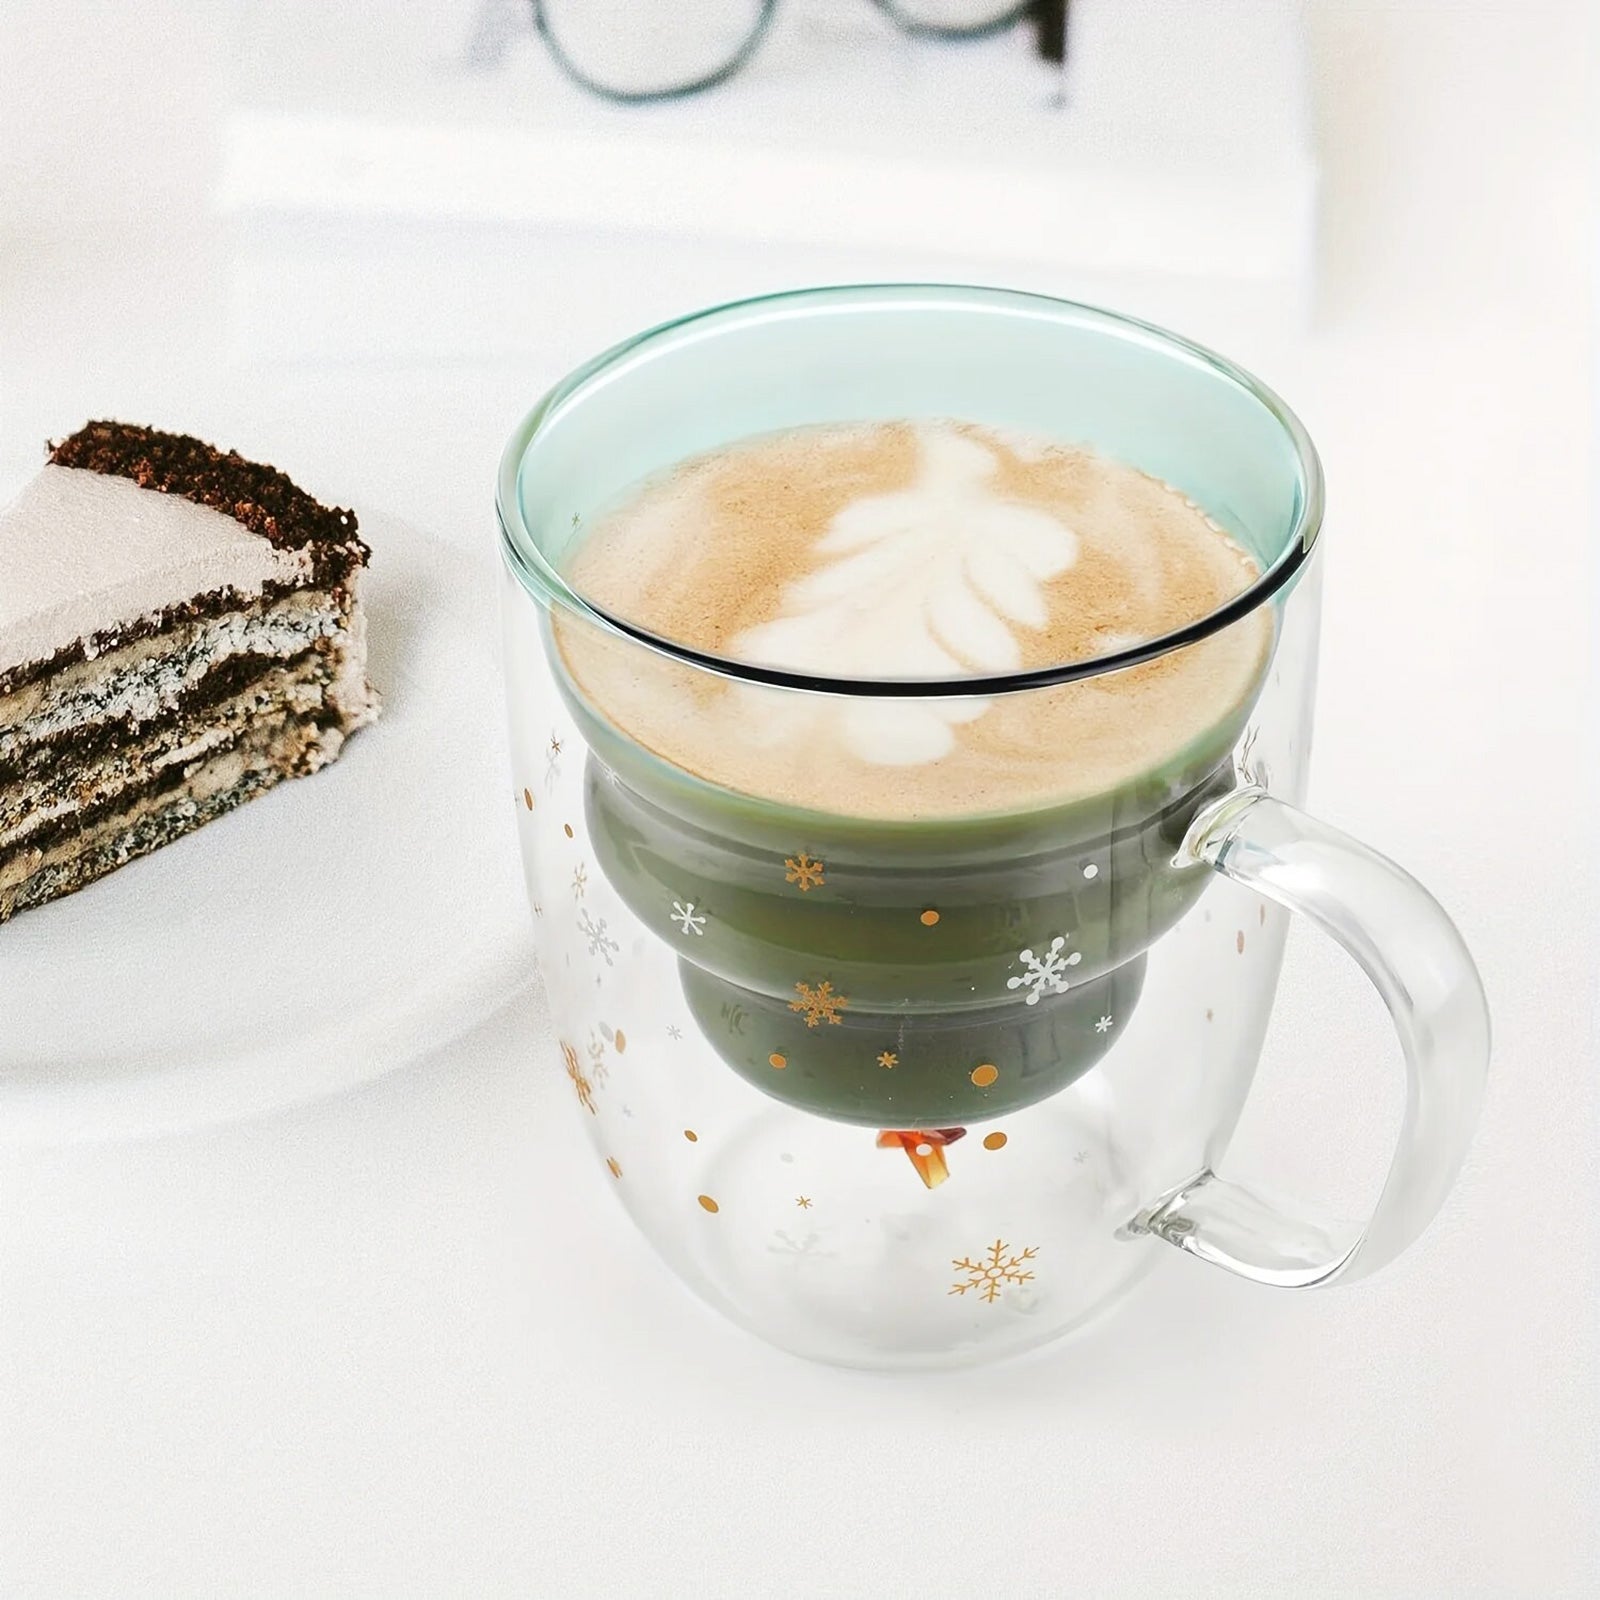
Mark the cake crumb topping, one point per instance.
(256, 496)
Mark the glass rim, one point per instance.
(536, 574)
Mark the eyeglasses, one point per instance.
(637, 50)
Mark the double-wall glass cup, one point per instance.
(899, 1090)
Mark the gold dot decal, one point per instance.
(708, 1204)
(527, 798)
(691, 1135)
(775, 1060)
(929, 918)
(616, 1171)
(985, 1075)
(622, 1041)
(994, 1141)
(1238, 943)
(1209, 1013)
(1261, 915)
(566, 828)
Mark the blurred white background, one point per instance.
(400, 1342)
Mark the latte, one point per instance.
(913, 550)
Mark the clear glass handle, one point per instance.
(1416, 959)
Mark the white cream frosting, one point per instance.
(82, 552)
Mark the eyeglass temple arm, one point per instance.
(1050, 29)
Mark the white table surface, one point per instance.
(401, 1342)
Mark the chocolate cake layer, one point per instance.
(275, 733)
(126, 762)
(156, 821)
(85, 743)
(137, 839)
(144, 680)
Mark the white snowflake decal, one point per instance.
(600, 942)
(1104, 1025)
(687, 919)
(1046, 974)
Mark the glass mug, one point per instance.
(913, 1092)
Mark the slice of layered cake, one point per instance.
(179, 631)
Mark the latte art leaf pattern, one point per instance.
(927, 581)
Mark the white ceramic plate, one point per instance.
(323, 934)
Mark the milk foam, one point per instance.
(924, 581)
(913, 550)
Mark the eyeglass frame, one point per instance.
(752, 42)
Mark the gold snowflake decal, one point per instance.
(804, 871)
(991, 1275)
(818, 1005)
(584, 1089)
(888, 1059)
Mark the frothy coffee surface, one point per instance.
(913, 549)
